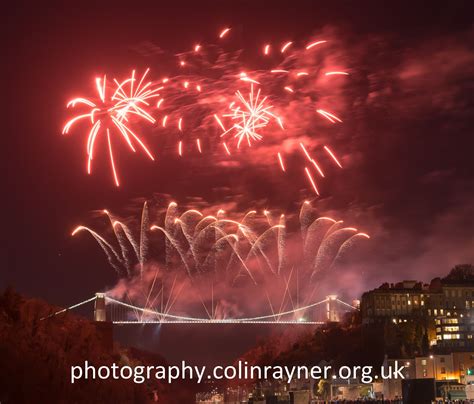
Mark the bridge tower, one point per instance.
(331, 308)
(99, 307)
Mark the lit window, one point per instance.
(451, 336)
(451, 329)
(452, 321)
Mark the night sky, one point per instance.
(406, 142)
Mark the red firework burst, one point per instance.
(110, 114)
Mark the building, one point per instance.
(450, 375)
(454, 330)
(397, 302)
(392, 387)
(470, 384)
(438, 367)
(454, 366)
(453, 316)
(446, 308)
(463, 365)
(452, 310)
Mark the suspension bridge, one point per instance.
(109, 309)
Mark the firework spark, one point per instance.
(332, 156)
(282, 165)
(313, 44)
(251, 114)
(330, 117)
(286, 46)
(311, 180)
(336, 74)
(224, 32)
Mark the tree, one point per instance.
(10, 303)
(324, 387)
(463, 272)
(425, 344)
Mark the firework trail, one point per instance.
(306, 217)
(213, 254)
(110, 252)
(144, 225)
(281, 244)
(348, 245)
(327, 250)
(124, 238)
(315, 234)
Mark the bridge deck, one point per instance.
(220, 322)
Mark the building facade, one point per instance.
(398, 302)
(446, 308)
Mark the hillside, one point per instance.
(36, 357)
